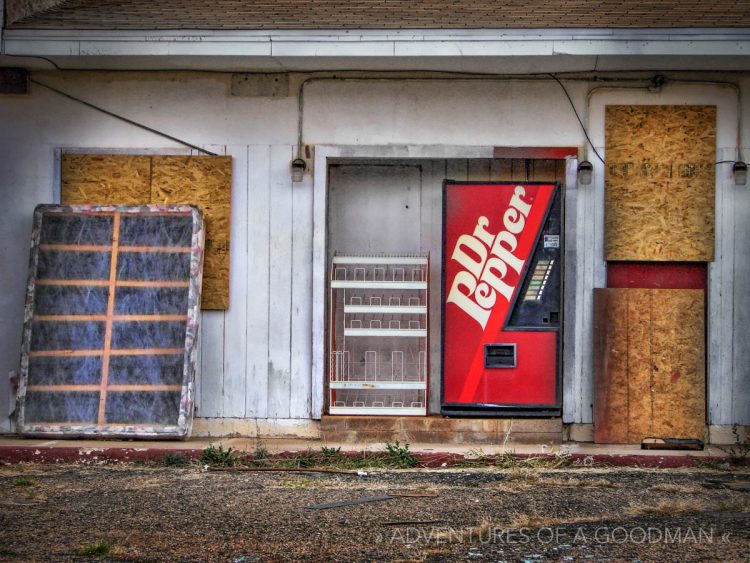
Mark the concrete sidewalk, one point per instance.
(14, 450)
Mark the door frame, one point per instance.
(576, 365)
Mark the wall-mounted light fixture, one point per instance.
(585, 173)
(739, 169)
(298, 169)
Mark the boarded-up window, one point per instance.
(204, 181)
(659, 183)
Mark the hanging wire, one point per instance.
(120, 117)
(578, 117)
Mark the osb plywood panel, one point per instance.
(198, 179)
(640, 393)
(105, 178)
(678, 362)
(649, 364)
(611, 369)
(205, 181)
(659, 183)
(216, 273)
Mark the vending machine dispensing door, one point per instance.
(502, 272)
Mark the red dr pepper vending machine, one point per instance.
(502, 271)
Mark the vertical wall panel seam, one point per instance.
(734, 418)
(421, 248)
(222, 412)
(223, 151)
(223, 359)
(247, 259)
(291, 291)
(739, 414)
(580, 289)
(715, 297)
(717, 366)
(268, 302)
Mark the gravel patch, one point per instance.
(134, 513)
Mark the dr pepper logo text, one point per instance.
(486, 259)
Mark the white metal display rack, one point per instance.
(378, 339)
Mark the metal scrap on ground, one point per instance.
(284, 469)
(426, 494)
(389, 496)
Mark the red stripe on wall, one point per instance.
(661, 275)
(535, 152)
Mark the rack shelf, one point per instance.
(378, 384)
(383, 332)
(386, 309)
(380, 411)
(378, 335)
(359, 284)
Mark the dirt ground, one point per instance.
(134, 513)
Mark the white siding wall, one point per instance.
(257, 356)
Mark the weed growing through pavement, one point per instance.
(261, 451)
(399, 455)
(330, 453)
(739, 451)
(304, 460)
(176, 460)
(219, 456)
(23, 481)
(102, 548)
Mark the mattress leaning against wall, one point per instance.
(110, 327)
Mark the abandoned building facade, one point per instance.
(372, 180)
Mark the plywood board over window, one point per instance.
(660, 183)
(649, 364)
(204, 181)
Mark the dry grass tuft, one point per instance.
(517, 481)
(524, 480)
(470, 534)
(299, 483)
(576, 482)
(733, 503)
(510, 460)
(102, 548)
(664, 508)
(522, 476)
(532, 520)
(672, 488)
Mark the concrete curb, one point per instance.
(87, 455)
